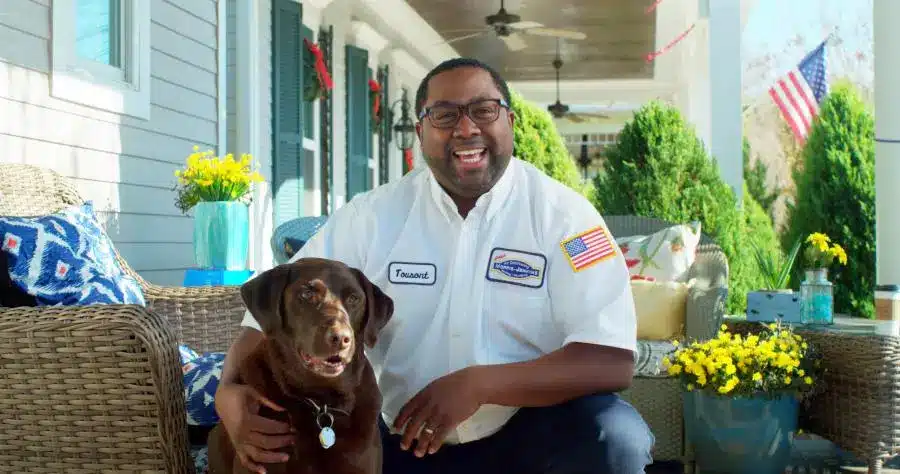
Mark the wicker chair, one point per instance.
(99, 388)
(659, 399)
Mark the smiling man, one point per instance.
(514, 325)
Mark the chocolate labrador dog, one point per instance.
(316, 315)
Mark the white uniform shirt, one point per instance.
(493, 288)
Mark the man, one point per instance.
(514, 324)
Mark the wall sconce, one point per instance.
(405, 128)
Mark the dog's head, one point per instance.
(321, 308)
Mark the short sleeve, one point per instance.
(590, 288)
(337, 239)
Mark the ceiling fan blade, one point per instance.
(462, 30)
(460, 38)
(524, 25)
(594, 115)
(514, 42)
(556, 33)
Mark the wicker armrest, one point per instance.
(707, 297)
(90, 389)
(207, 318)
(858, 407)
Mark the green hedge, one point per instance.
(537, 141)
(836, 195)
(659, 168)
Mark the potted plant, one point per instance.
(816, 291)
(741, 397)
(776, 301)
(218, 190)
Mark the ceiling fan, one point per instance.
(508, 27)
(560, 110)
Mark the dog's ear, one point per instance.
(263, 296)
(379, 309)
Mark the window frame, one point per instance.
(125, 90)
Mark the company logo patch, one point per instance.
(411, 273)
(516, 267)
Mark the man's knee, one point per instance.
(613, 434)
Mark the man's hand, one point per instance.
(255, 438)
(440, 407)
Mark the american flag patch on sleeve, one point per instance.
(588, 248)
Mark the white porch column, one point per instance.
(887, 146)
(725, 90)
(249, 14)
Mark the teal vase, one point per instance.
(740, 435)
(221, 235)
(816, 298)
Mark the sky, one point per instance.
(779, 33)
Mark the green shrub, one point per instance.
(659, 168)
(835, 183)
(755, 179)
(537, 141)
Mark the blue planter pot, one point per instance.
(221, 235)
(740, 435)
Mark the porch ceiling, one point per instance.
(619, 36)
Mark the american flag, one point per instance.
(799, 92)
(588, 248)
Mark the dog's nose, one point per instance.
(339, 337)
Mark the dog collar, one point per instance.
(325, 422)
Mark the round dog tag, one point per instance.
(327, 437)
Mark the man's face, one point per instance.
(468, 151)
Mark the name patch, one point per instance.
(516, 267)
(410, 273)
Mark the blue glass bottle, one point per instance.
(816, 298)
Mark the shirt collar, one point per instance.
(488, 203)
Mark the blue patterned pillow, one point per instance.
(66, 259)
(201, 374)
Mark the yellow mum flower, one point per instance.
(818, 240)
(807, 380)
(757, 377)
(787, 379)
(838, 252)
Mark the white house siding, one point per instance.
(125, 165)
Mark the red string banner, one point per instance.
(652, 7)
(665, 49)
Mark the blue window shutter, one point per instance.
(309, 62)
(359, 134)
(287, 108)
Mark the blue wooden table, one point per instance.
(213, 277)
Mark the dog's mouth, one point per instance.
(330, 366)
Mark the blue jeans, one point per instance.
(596, 434)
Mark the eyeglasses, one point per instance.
(482, 112)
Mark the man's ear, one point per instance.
(263, 296)
(379, 309)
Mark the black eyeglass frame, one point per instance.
(463, 109)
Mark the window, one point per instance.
(101, 54)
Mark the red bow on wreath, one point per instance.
(375, 89)
(408, 157)
(321, 70)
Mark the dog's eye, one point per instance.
(307, 293)
(352, 300)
